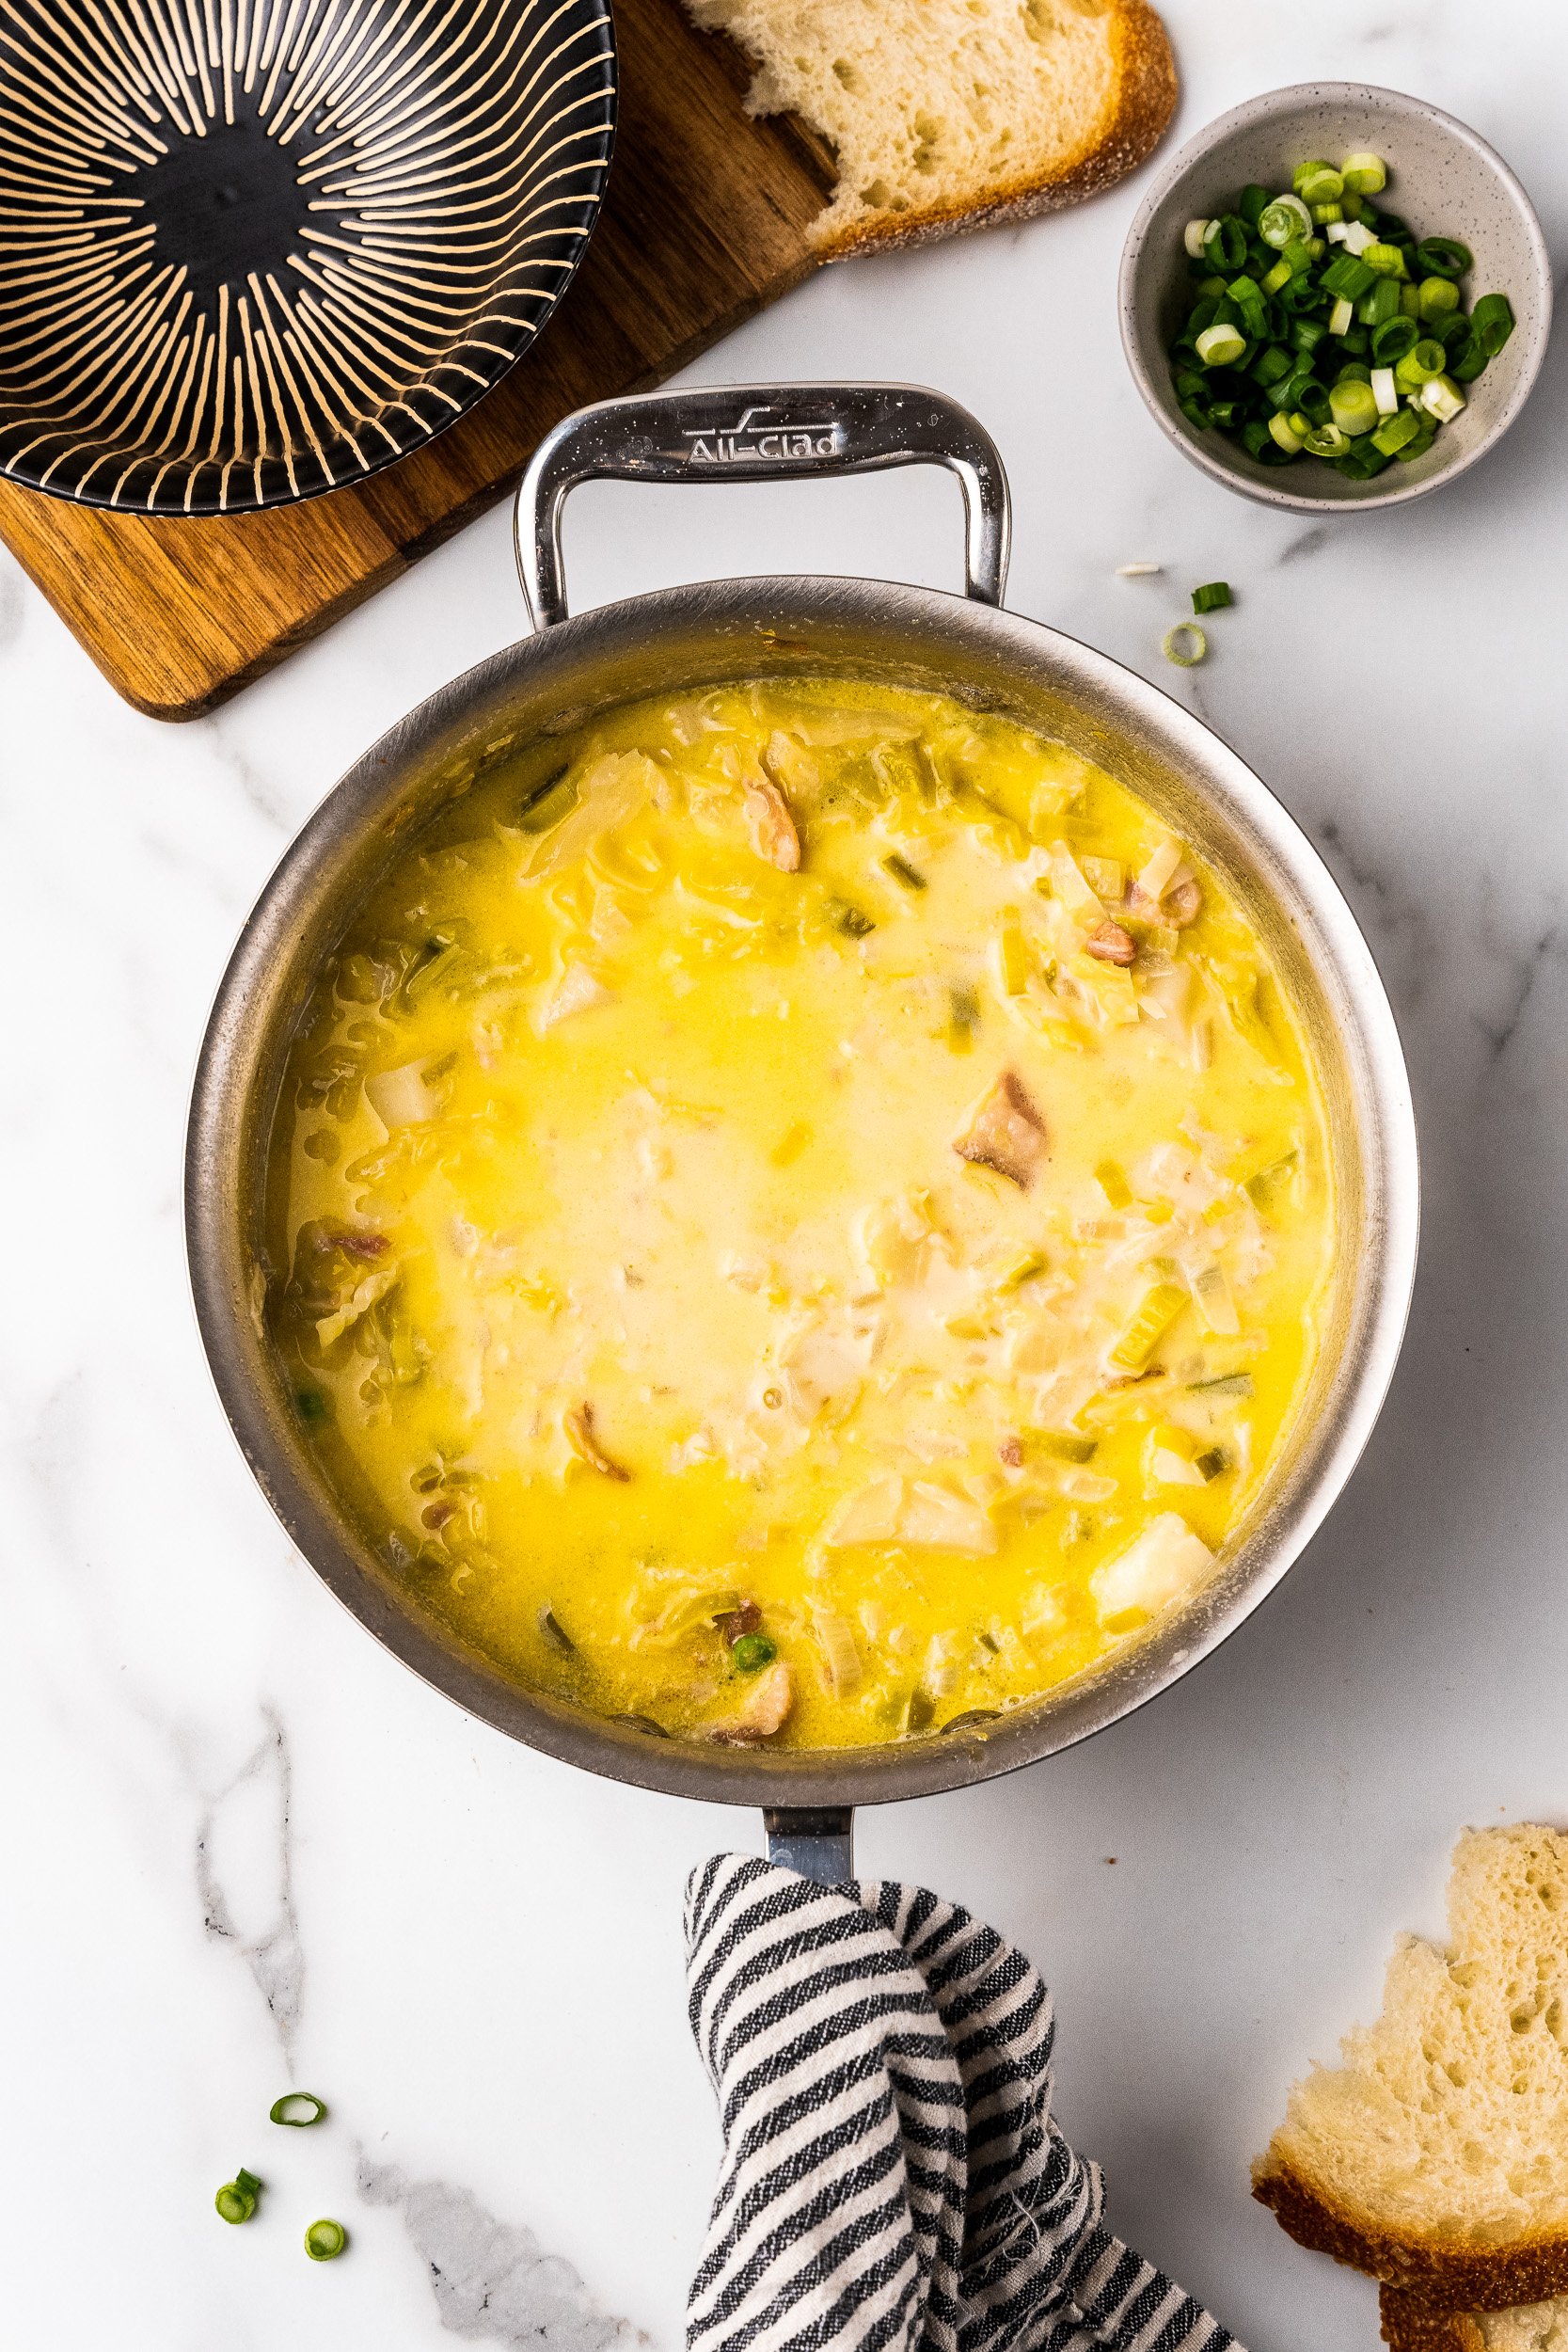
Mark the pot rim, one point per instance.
(747, 611)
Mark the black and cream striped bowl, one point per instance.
(255, 250)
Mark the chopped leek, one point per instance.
(1159, 1310)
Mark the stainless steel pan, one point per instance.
(681, 638)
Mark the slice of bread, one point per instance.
(1409, 2327)
(1437, 2156)
(945, 114)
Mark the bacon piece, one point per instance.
(579, 1426)
(769, 822)
(1183, 905)
(1110, 944)
(1007, 1133)
(765, 1710)
(735, 1624)
(1011, 1452)
(361, 1246)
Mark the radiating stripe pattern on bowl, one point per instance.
(258, 249)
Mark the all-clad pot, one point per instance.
(693, 637)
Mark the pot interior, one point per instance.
(689, 639)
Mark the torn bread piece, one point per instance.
(947, 114)
(1435, 2155)
(1409, 2327)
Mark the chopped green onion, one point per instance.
(1444, 257)
(1326, 440)
(899, 867)
(753, 1652)
(1227, 243)
(1364, 174)
(1353, 407)
(1466, 361)
(1217, 346)
(1209, 597)
(1380, 304)
(1393, 339)
(1227, 1384)
(1442, 398)
(1247, 294)
(1492, 321)
(1347, 276)
(287, 2110)
(1311, 311)
(1437, 297)
(236, 2200)
(1317, 183)
(1395, 431)
(1423, 361)
(326, 2240)
(1185, 644)
(1285, 218)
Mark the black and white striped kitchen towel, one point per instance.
(892, 2178)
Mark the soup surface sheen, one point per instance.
(801, 1214)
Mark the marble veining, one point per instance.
(264, 1928)
(491, 2279)
(244, 1850)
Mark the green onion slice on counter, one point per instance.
(326, 2240)
(1211, 595)
(298, 2108)
(1185, 644)
(236, 2200)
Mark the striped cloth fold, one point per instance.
(892, 2178)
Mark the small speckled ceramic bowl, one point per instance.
(1443, 179)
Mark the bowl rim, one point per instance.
(209, 510)
(1266, 106)
(455, 723)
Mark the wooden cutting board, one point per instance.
(704, 222)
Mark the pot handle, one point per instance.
(747, 433)
(817, 1841)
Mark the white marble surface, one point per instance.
(242, 1847)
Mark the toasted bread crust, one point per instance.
(1143, 94)
(1448, 2278)
(1409, 2327)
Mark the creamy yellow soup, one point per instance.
(803, 1214)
